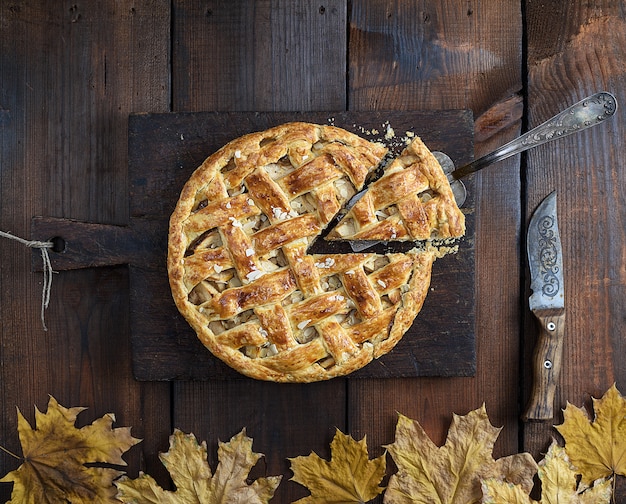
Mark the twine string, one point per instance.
(47, 269)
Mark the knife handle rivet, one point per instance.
(547, 364)
(551, 326)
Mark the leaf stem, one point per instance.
(614, 482)
(10, 453)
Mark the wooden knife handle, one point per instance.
(546, 365)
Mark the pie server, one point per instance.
(582, 115)
(547, 302)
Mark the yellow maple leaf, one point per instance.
(55, 454)
(186, 461)
(451, 474)
(559, 483)
(350, 476)
(598, 448)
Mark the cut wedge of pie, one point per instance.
(411, 201)
(240, 273)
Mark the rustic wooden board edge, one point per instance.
(179, 355)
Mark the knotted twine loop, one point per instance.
(47, 269)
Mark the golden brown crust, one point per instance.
(239, 269)
(411, 201)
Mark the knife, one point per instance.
(547, 302)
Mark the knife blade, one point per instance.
(547, 303)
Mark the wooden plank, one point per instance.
(165, 347)
(428, 56)
(586, 171)
(263, 55)
(433, 55)
(70, 75)
(244, 41)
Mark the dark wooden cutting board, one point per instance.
(164, 149)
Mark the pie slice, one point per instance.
(411, 201)
(240, 273)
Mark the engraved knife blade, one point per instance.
(547, 302)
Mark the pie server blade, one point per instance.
(321, 246)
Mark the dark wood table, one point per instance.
(71, 74)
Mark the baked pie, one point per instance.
(240, 273)
(411, 201)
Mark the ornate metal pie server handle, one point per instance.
(582, 115)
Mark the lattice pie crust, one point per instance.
(239, 269)
(411, 201)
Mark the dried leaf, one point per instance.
(501, 492)
(559, 484)
(598, 448)
(55, 454)
(350, 476)
(186, 461)
(517, 469)
(451, 474)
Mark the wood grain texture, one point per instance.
(69, 76)
(546, 364)
(259, 56)
(577, 53)
(437, 55)
(433, 55)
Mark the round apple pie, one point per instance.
(241, 274)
